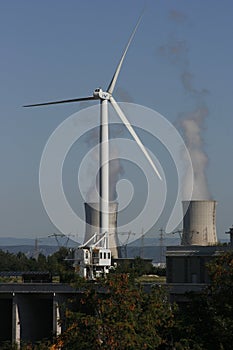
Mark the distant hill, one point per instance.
(156, 253)
(155, 241)
(29, 250)
(45, 246)
(148, 248)
(48, 241)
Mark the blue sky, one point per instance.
(62, 49)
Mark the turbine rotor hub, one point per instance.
(102, 95)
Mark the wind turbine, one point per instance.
(105, 97)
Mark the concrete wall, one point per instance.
(188, 264)
(187, 270)
(29, 316)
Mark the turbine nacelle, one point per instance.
(102, 95)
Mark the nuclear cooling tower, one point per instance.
(199, 223)
(93, 224)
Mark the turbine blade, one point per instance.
(62, 101)
(117, 71)
(133, 133)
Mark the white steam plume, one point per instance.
(191, 123)
(192, 128)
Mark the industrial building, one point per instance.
(187, 264)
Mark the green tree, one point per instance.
(207, 319)
(116, 314)
(59, 264)
(42, 262)
(56, 264)
(135, 267)
(219, 297)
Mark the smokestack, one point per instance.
(92, 214)
(199, 223)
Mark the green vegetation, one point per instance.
(151, 279)
(118, 313)
(38, 346)
(62, 271)
(56, 264)
(138, 267)
(208, 318)
(124, 316)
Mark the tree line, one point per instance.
(57, 264)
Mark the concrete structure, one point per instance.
(92, 214)
(187, 270)
(31, 312)
(199, 223)
(230, 232)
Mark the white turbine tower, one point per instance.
(105, 97)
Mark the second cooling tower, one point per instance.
(92, 214)
(199, 223)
